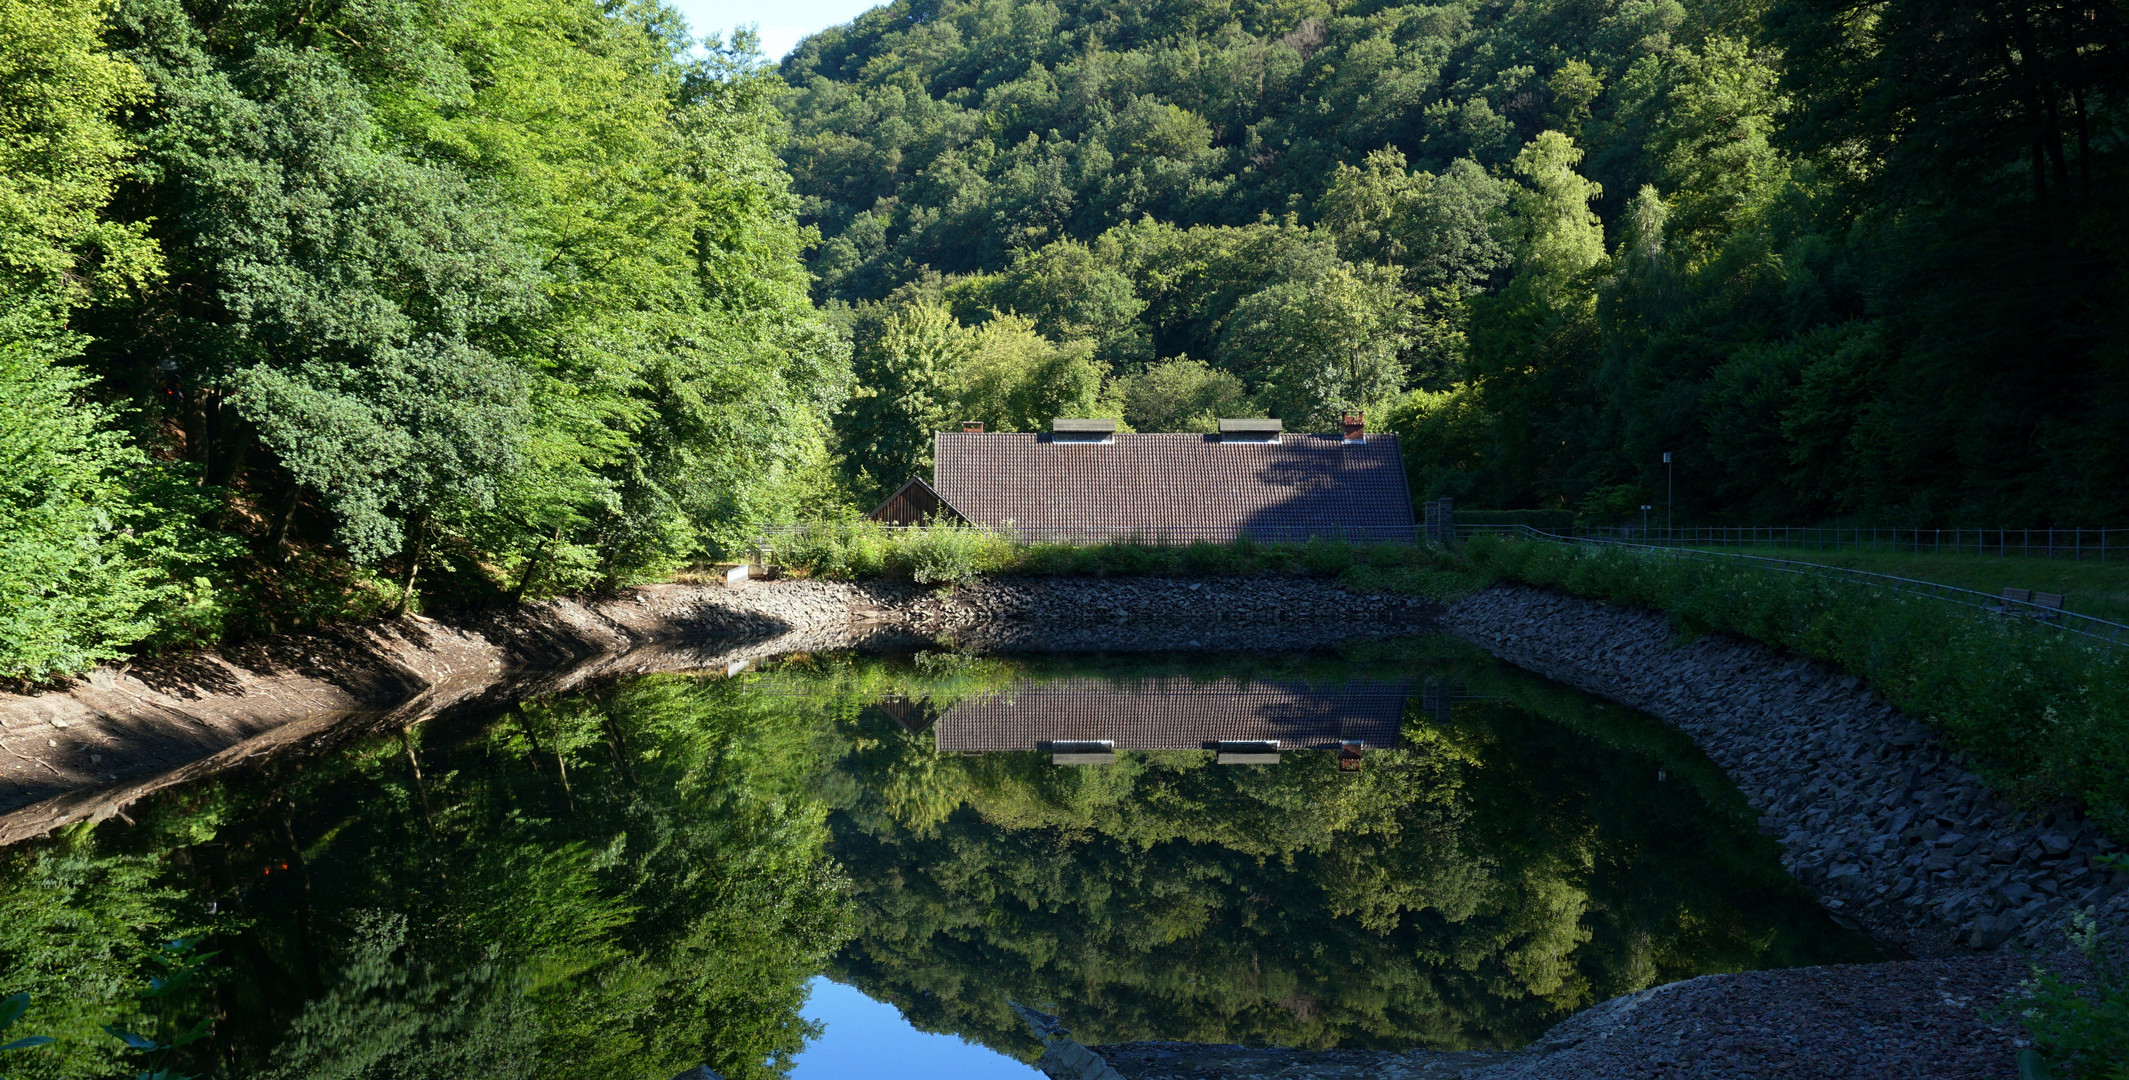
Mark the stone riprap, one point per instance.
(1200, 1061)
(1158, 614)
(1929, 1019)
(1875, 813)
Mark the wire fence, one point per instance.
(2066, 543)
(2071, 622)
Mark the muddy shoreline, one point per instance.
(88, 750)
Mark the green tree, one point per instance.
(79, 577)
(906, 378)
(1184, 395)
(1317, 349)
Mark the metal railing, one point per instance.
(2052, 543)
(2071, 622)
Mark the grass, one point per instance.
(949, 555)
(2089, 587)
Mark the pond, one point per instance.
(1403, 844)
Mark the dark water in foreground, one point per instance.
(635, 880)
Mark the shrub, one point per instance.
(2082, 1027)
(845, 550)
(947, 554)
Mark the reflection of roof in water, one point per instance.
(1174, 714)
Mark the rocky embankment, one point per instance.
(1876, 815)
(91, 748)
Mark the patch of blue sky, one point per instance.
(782, 24)
(868, 1040)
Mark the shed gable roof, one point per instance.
(1178, 486)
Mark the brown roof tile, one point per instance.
(1177, 486)
(1174, 714)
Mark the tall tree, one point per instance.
(75, 585)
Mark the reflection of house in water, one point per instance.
(1175, 714)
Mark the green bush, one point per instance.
(2047, 712)
(946, 554)
(2081, 1027)
(844, 550)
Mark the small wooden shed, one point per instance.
(913, 504)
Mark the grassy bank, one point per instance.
(2091, 587)
(2047, 714)
(858, 550)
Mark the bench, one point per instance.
(2025, 603)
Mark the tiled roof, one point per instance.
(1174, 714)
(1177, 487)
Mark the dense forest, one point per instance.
(318, 310)
(1844, 260)
(298, 301)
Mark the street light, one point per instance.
(1670, 502)
(1645, 508)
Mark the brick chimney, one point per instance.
(971, 427)
(1356, 429)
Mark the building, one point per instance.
(1084, 480)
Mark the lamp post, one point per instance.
(1645, 508)
(1670, 501)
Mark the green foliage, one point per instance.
(1184, 395)
(72, 591)
(512, 296)
(946, 554)
(1840, 264)
(905, 377)
(2041, 709)
(1490, 873)
(2080, 1025)
(621, 883)
(11, 1010)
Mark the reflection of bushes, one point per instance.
(1465, 890)
(599, 886)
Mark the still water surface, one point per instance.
(653, 874)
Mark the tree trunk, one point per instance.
(277, 537)
(421, 534)
(532, 566)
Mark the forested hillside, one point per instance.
(1844, 260)
(309, 312)
(304, 308)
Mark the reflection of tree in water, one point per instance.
(1466, 890)
(637, 880)
(624, 884)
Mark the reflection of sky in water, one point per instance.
(866, 1038)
